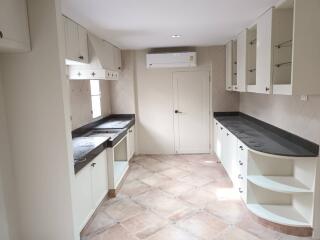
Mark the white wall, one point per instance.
(154, 93)
(80, 101)
(286, 112)
(35, 92)
(8, 207)
(122, 91)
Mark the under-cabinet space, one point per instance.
(117, 163)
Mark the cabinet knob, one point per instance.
(93, 73)
(119, 68)
(240, 190)
(235, 87)
(240, 163)
(227, 134)
(93, 164)
(221, 128)
(267, 89)
(81, 57)
(130, 131)
(240, 176)
(79, 74)
(1, 34)
(241, 147)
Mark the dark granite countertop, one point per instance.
(91, 139)
(263, 137)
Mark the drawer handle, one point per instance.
(240, 163)
(240, 176)
(81, 57)
(241, 147)
(227, 134)
(93, 164)
(221, 128)
(240, 190)
(1, 34)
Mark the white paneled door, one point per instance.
(191, 112)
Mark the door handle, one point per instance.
(177, 111)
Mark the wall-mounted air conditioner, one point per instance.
(171, 60)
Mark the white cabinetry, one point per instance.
(76, 42)
(279, 189)
(91, 186)
(231, 65)
(130, 143)
(14, 31)
(264, 46)
(241, 62)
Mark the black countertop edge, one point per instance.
(308, 145)
(86, 128)
(81, 163)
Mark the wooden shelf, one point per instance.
(280, 214)
(281, 184)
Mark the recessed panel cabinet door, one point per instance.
(241, 61)
(99, 178)
(83, 197)
(264, 51)
(72, 40)
(83, 44)
(14, 24)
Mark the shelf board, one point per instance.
(283, 184)
(280, 214)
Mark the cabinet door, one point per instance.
(229, 65)
(130, 143)
(14, 25)
(219, 150)
(83, 44)
(241, 61)
(83, 200)
(117, 58)
(215, 135)
(108, 56)
(264, 53)
(72, 40)
(229, 153)
(99, 178)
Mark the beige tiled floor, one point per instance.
(176, 197)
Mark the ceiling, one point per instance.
(138, 24)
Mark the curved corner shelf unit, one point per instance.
(278, 189)
(281, 189)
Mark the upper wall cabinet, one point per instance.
(231, 65)
(14, 31)
(76, 41)
(296, 51)
(280, 54)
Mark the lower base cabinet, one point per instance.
(91, 186)
(279, 189)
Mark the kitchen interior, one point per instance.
(159, 120)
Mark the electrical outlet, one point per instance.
(304, 98)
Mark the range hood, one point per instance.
(101, 58)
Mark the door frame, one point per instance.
(204, 69)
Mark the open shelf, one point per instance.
(280, 214)
(120, 168)
(283, 184)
